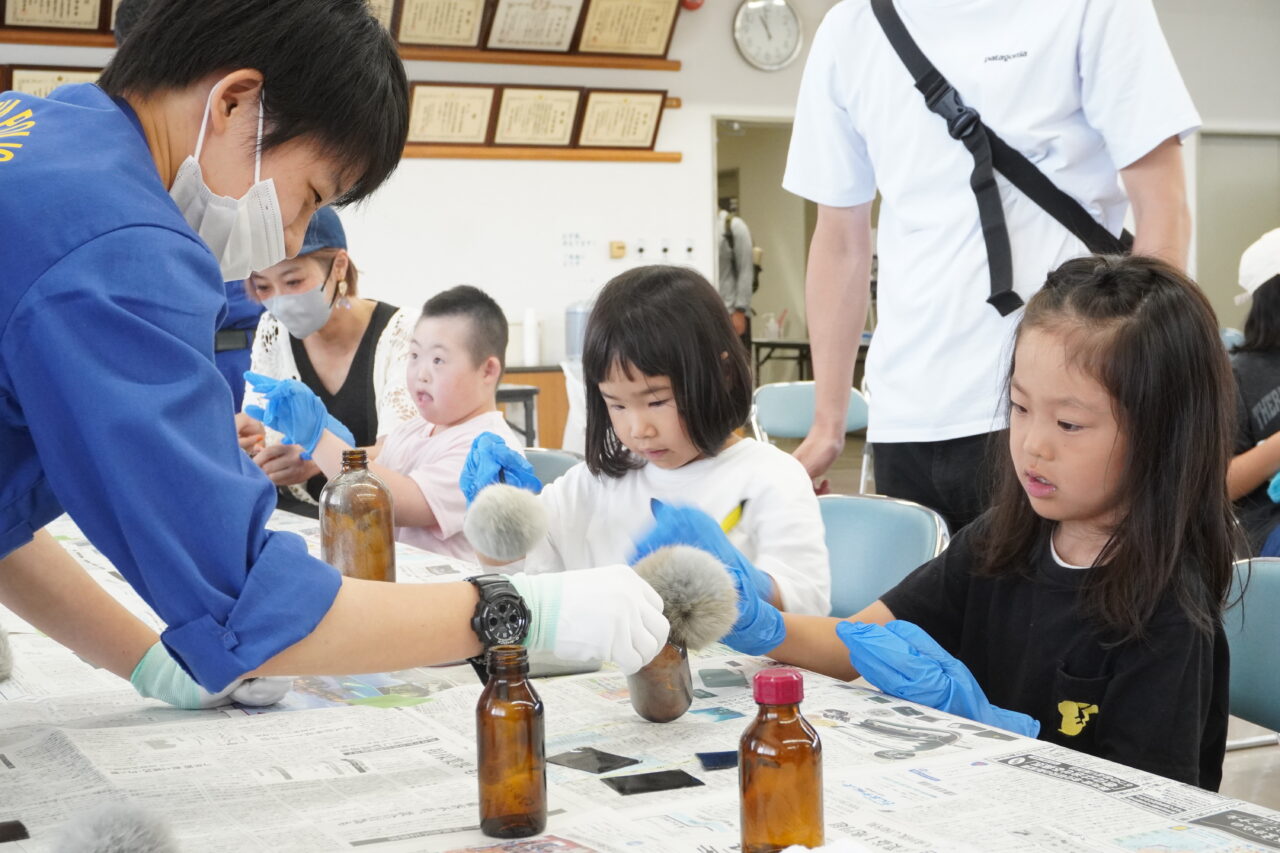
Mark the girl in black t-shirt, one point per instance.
(1084, 607)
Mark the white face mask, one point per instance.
(244, 234)
(301, 314)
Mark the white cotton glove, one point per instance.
(607, 613)
(158, 676)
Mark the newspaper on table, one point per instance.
(386, 762)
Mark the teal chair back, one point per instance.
(874, 542)
(550, 465)
(1253, 632)
(786, 409)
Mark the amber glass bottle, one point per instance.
(510, 749)
(357, 536)
(780, 768)
(663, 689)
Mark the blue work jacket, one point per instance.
(110, 405)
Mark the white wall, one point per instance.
(502, 224)
(515, 227)
(1229, 54)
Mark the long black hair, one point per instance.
(1147, 334)
(330, 72)
(1262, 326)
(665, 321)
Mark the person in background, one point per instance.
(1085, 607)
(352, 352)
(737, 273)
(216, 131)
(235, 334)
(455, 361)
(1256, 365)
(1087, 90)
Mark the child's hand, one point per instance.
(686, 525)
(294, 410)
(902, 659)
(759, 628)
(250, 433)
(283, 464)
(492, 461)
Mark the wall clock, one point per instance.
(768, 33)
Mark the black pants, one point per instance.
(951, 477)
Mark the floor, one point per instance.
(1250, 774)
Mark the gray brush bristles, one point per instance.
(698, 596)
(6, 655)
(504, 522)
(117, 828)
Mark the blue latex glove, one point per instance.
(902, 659)
(686, 525)
(759, 628)
(295, 410)
(1273, 489)
(492, 461)
(158, 676)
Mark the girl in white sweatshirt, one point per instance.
(667, 382)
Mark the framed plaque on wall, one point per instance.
(451, 113)
(621, 118)
(537, 115)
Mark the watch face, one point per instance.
(505, 619)
(767, 33)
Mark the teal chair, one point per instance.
(874, 542)
(550, 465)
(786, 410)
(1253, 632)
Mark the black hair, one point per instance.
(665, 321)
(1147, 334)
(127, 15)
(488, 323)
(1262, 326)
(331, 73)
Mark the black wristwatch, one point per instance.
(501, 617)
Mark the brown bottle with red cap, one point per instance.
(780, 768)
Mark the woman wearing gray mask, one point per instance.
(349, 350)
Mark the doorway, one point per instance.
(751, 156)
(1237, 201)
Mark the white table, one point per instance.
(386, 763)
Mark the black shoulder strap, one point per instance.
(733, 245)
(990, 152)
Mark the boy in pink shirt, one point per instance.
(455, 362)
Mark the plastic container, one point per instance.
(575, 328)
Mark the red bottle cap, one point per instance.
(779, 685)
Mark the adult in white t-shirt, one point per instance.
(1085, 89)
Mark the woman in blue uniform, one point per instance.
(215, 133)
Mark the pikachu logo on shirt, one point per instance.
(1075, 716)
